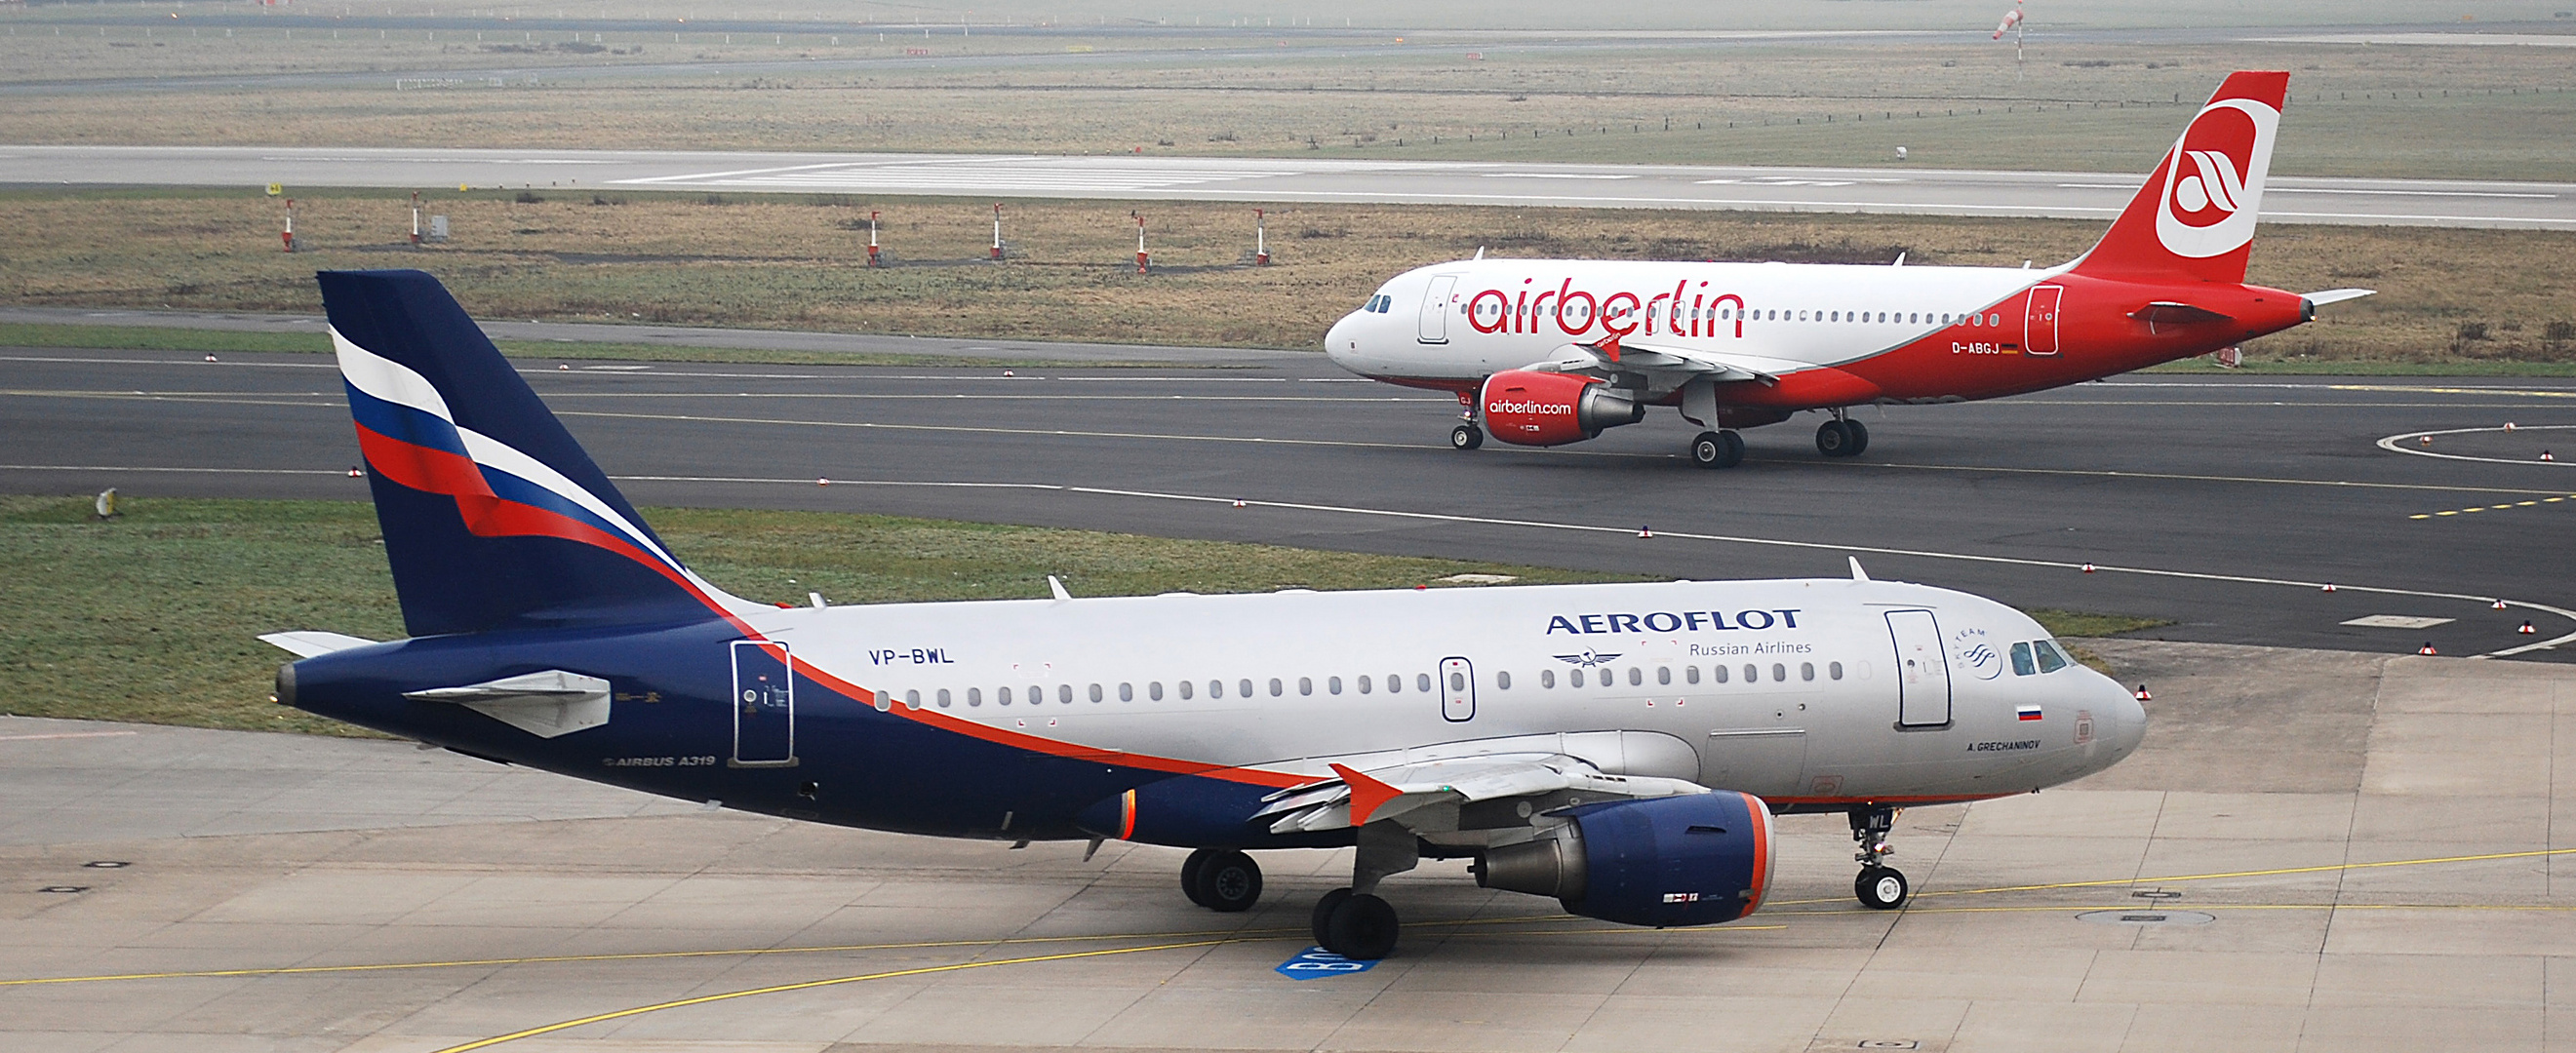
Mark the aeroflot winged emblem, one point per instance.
(1587, 659)
(2214, 178)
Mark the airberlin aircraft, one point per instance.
(1621, 748)
(1548, 352)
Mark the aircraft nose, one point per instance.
(1341, 342)
(2126, 717)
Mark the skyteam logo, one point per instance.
(2214, 179)
(1971, 650)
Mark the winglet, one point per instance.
(1608, 346)
(1366, 794)
(1057, 587)
(1857, 573)
(1900, 260)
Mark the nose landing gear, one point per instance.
(1879, 886)
(1466, 437)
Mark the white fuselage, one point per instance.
(1792, 690)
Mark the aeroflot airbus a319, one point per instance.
(1621, 748)
(1548, 352)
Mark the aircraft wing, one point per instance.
(1414, 795)
(1615, 355)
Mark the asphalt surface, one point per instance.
(2073, 195)
(2222, 503)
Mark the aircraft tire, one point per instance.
(1363, 927)
(1859, 434)
(1324, 908)
(1190, 875)
(1228, 882)
(1834, 439)
(1717, 449)
(1466, 437)
(1881, 888)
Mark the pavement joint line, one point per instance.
(807, 985)
(2276, 872)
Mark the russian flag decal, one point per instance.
(2027, 712)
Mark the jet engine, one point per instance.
(1551, 409)
(1697, 859)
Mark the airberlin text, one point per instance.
(1669, 622)
(1690, 309)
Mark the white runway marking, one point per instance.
(2398, 444)
(1072, 177)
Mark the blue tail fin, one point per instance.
(493, 516)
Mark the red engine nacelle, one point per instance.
(1552, 409)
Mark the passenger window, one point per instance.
(1276, 688)
(1333, 685)
(1457, 681)
(1366, 684)
(974, 697)
(1394, 683)
(1834, 670)
(2049, 660)
(1690, 673)
(1752, 674)
(1126, 692)
(1806, 670)
(1002, 695)
(2022, 664)
(1574, 678)
(1243, 687)
(1994, 319)
(1503, 680)
(1663, 674)
(943, 698)
(1779, 672)
(1719, 672)
(1185, 690)
(1216, 689)
(1636, 676)
(1305, 685)
(1154, 691)
(1064, 693)
(1547, 678)
(1422, 682)
(912, 699)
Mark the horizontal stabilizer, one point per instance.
(2321, 299)
(307, 643)
(545, 704)
(2167, 312)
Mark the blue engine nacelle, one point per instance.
(1697, 859)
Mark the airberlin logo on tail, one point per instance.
(2214, 178)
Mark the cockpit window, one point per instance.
(1378, 304)
(2049, 660)
(2022, 664)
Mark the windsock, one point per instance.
(2011, 18)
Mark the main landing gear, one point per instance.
(1353, 922)
(1841, 437)
(1879, 886)
(1221, 879)
(1717, 449)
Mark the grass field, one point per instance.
(166, 338)
(153, 616)
(787, 263)
(2074, 104)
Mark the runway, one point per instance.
(2312, 850)
(2225, 503)
(2072, 195)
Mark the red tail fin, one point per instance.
(2194, 218)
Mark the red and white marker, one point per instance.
(2145, 695)
(2088, 568)
(2527, 630)
(2427, 648)
(2329, 586)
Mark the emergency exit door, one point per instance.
(2039, 320)
(764, 705)
(1435, 309)
(1922, 671)
(1457, 690)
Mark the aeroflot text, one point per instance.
(1669, 622)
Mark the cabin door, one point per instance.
(1922, 671)
(764, 705)
(1435, 309)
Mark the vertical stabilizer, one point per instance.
(494, 518)
(2194, 218)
